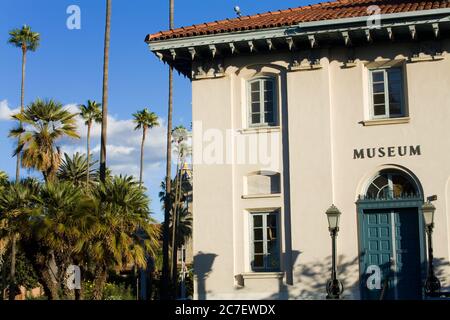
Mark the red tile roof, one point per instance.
(322, 11)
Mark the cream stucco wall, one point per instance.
(320, 116)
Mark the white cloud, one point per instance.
(123, 145)
(114, 151)
(6, 112)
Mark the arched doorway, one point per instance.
(391, 238)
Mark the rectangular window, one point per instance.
(387, 93)
(265, 251)
(262, 102)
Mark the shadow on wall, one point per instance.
(442, 272)
(282, 292)
(314, 276)
(203, 263)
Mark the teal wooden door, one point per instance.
(391, 242)
(407, 248)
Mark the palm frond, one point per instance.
(24, 38)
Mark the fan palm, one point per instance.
(165, 197)
(75, 169)
(15, 209)
(46, 122)
(181, 217)
(61, 227)
(121, 209)
(90, 113)
(180, 136)
(26, 40)
(144, 120)
(184, 226)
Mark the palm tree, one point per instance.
(26, 40)
(75, 169)
(180, 136)
(90, 113)
(121, 208)
(60, 228)
(105, 92)
(144, 120)
(166, 231)
(15, 207)
(46, 123)
(184, 226)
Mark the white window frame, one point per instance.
(262, 123)
(387, 114)
(264, 214)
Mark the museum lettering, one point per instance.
(390, 152)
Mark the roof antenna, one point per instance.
(238, 11)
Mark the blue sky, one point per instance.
(68, 67)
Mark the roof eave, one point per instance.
(180, 52)
(311, 24)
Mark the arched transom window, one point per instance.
(392, 185)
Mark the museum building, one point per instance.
(351, 99)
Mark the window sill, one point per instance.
(380, 122)
(260, 196)
(267, 129)
(263, 275)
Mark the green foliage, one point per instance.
(105, 228)
(121, 209)
(63, 220)
(74, 169)
(16, 208)
(184, 224)
(145, 119)
(24, 38)
(91, 112)
(111, 291)
(117, 292)
(25, 274)
(45, 122)
(3, 179)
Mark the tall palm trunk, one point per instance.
(4, 283)
(88, 147)
(144, 132)
(99, 282)
(174, 229)
(12, 274)
(105, 92)
(50, 287)
(165, 268)
(22, 104)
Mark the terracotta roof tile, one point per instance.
(316, 12)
